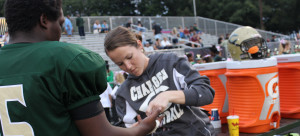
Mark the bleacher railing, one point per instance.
(210, 26)
(3, 26)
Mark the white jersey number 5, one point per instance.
(13, 93)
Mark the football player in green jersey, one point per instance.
(49, 88)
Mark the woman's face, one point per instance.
(130, 59)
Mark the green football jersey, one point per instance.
(41, 82)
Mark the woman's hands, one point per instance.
(163, 100)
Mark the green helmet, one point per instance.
(246, 43)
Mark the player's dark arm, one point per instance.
(99, 126)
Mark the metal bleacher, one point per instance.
(93, 42)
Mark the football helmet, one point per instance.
(246, 43)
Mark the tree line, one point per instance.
(277, 15)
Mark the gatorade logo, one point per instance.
(272, 87)
(275, 88)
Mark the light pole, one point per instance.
(194, 3)
(195, 13)
(261, 15)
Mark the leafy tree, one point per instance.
(151, 7)
(283, 16)
(1, 8)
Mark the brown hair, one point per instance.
(120, 37)
(119, 78)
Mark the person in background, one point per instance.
(181, 32)
(220, 40)
(148, 47)
(140, 27)
(106, 100)
(68, 26)
(215, 53)
(207, 59)
(80, 25)
(156, 31)
(157, 44)
(200, 42)
(165, 44)
(128, 24)
(109, 75)
(186, 32)
(52, 88)
(104, 27)
(163, 81)
(199, 60)
(273, 38)
(195, 28)
(195, 38)
(224, 44)
(284, 47)
(190, 58)
(297, 38)
(97, 27)
(119, 79)
(5, 38)
(175, 35)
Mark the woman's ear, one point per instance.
(140, 46)
(139, 43)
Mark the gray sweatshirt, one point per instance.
(168, 72)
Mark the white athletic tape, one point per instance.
(156, 126)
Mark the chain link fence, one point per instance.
(209, 26)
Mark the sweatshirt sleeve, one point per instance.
(196, 88)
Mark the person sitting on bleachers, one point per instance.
(148, 47)
(186, 32)
(157, 44)
(196, 39)
(165, 44)
(181, 32)
(174, 34)
(104, 27)
(195, 27)
(97, 27)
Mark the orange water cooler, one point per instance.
(289, 85)
(253, 94)
(216, 74)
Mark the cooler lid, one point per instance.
(261, 63)
(288, 58)
(210, 66)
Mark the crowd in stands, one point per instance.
(178, 36)
(215, 55)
